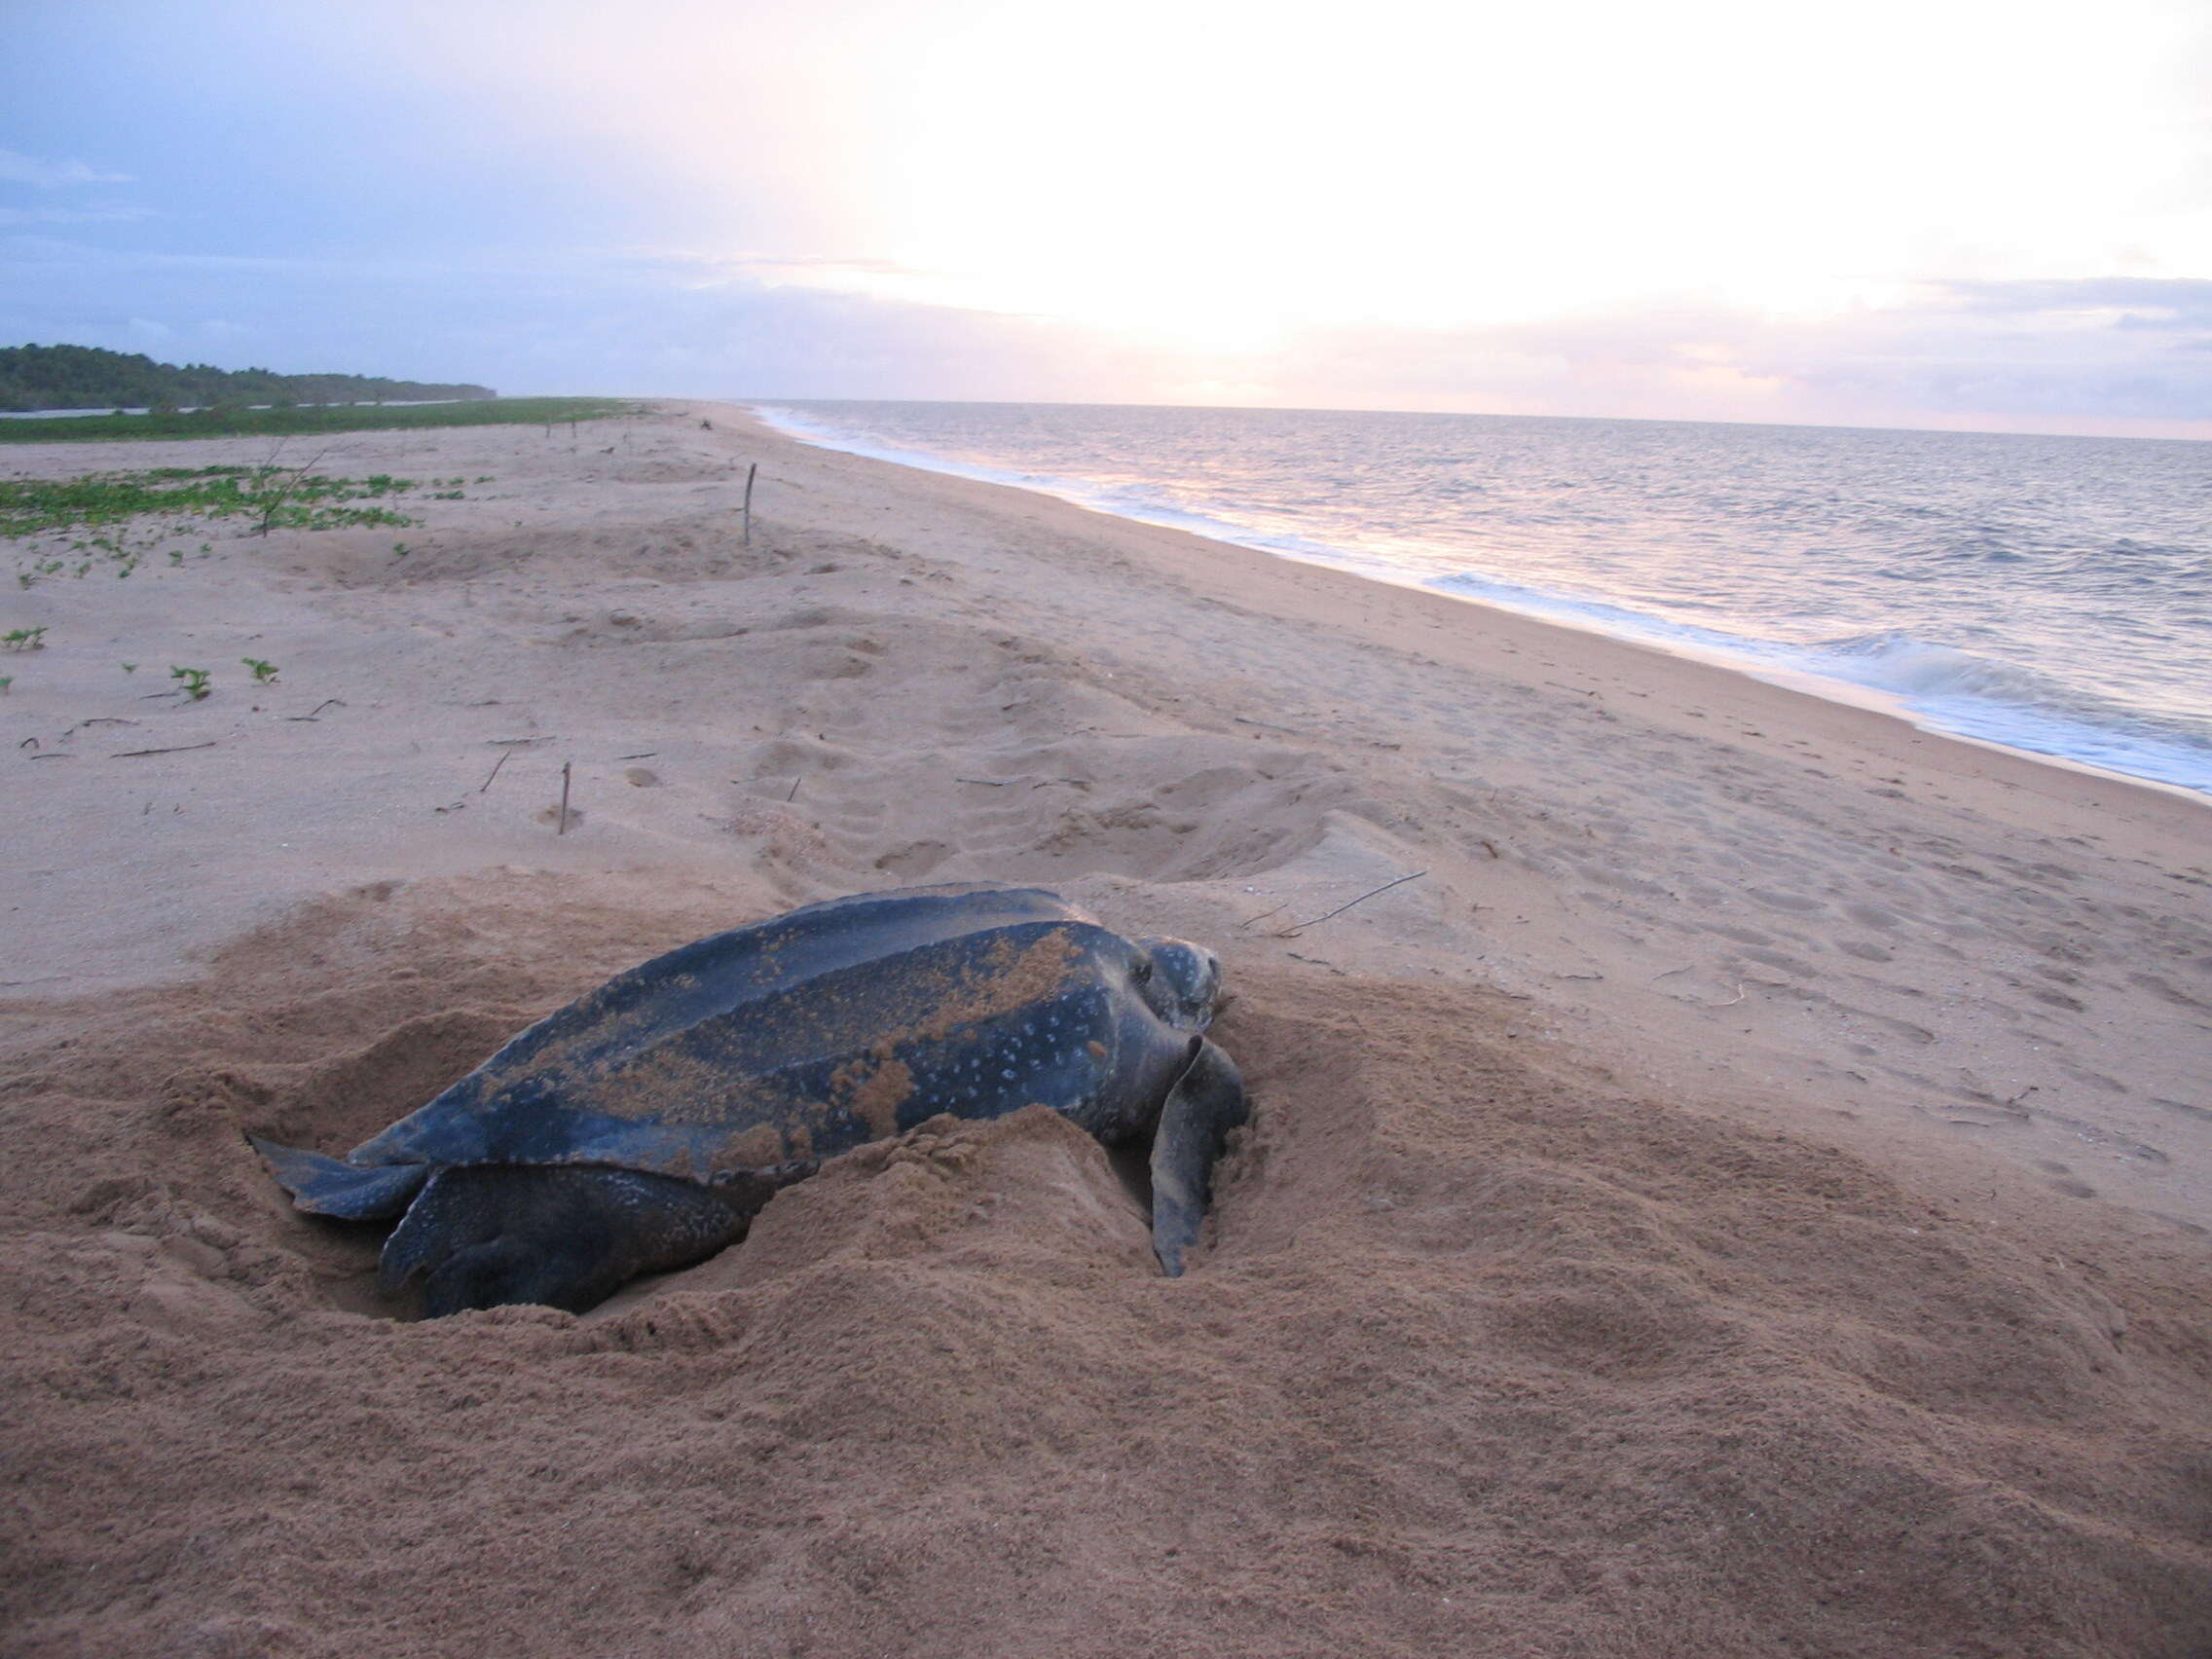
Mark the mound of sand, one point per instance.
(1488, 1355)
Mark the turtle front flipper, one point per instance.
(1206, 1102)
(567, 1236)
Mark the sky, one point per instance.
(1941, 214)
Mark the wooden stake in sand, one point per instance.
(560, 824)
(749, 472)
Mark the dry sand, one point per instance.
(1750, 1194)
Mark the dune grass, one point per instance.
(287, 423)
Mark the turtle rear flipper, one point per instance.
(567, 1236)
(1206, 1102)
(333, 1187)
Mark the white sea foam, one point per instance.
(2053, 596)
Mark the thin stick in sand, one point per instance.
(180, 748)
(560, 824)
(1292, 932)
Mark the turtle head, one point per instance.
(1180, 981)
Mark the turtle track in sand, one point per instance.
(996, 761)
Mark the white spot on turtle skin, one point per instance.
(1008, 1073)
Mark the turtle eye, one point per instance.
(1142, 972)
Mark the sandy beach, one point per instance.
(1750, 1191)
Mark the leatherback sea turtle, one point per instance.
(644, 1125)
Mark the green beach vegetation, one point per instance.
(113, 521)
(229, 422)
(275, 497)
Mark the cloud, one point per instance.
(2156, 300)
(2118, 355)
(577, 324)
(2102, 349)
(826, 265)
(16, 168)
(73, 215)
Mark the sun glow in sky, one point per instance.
(1236, 168)
(1443, 166)
(1948, 211)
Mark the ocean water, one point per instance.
(2048, 594)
